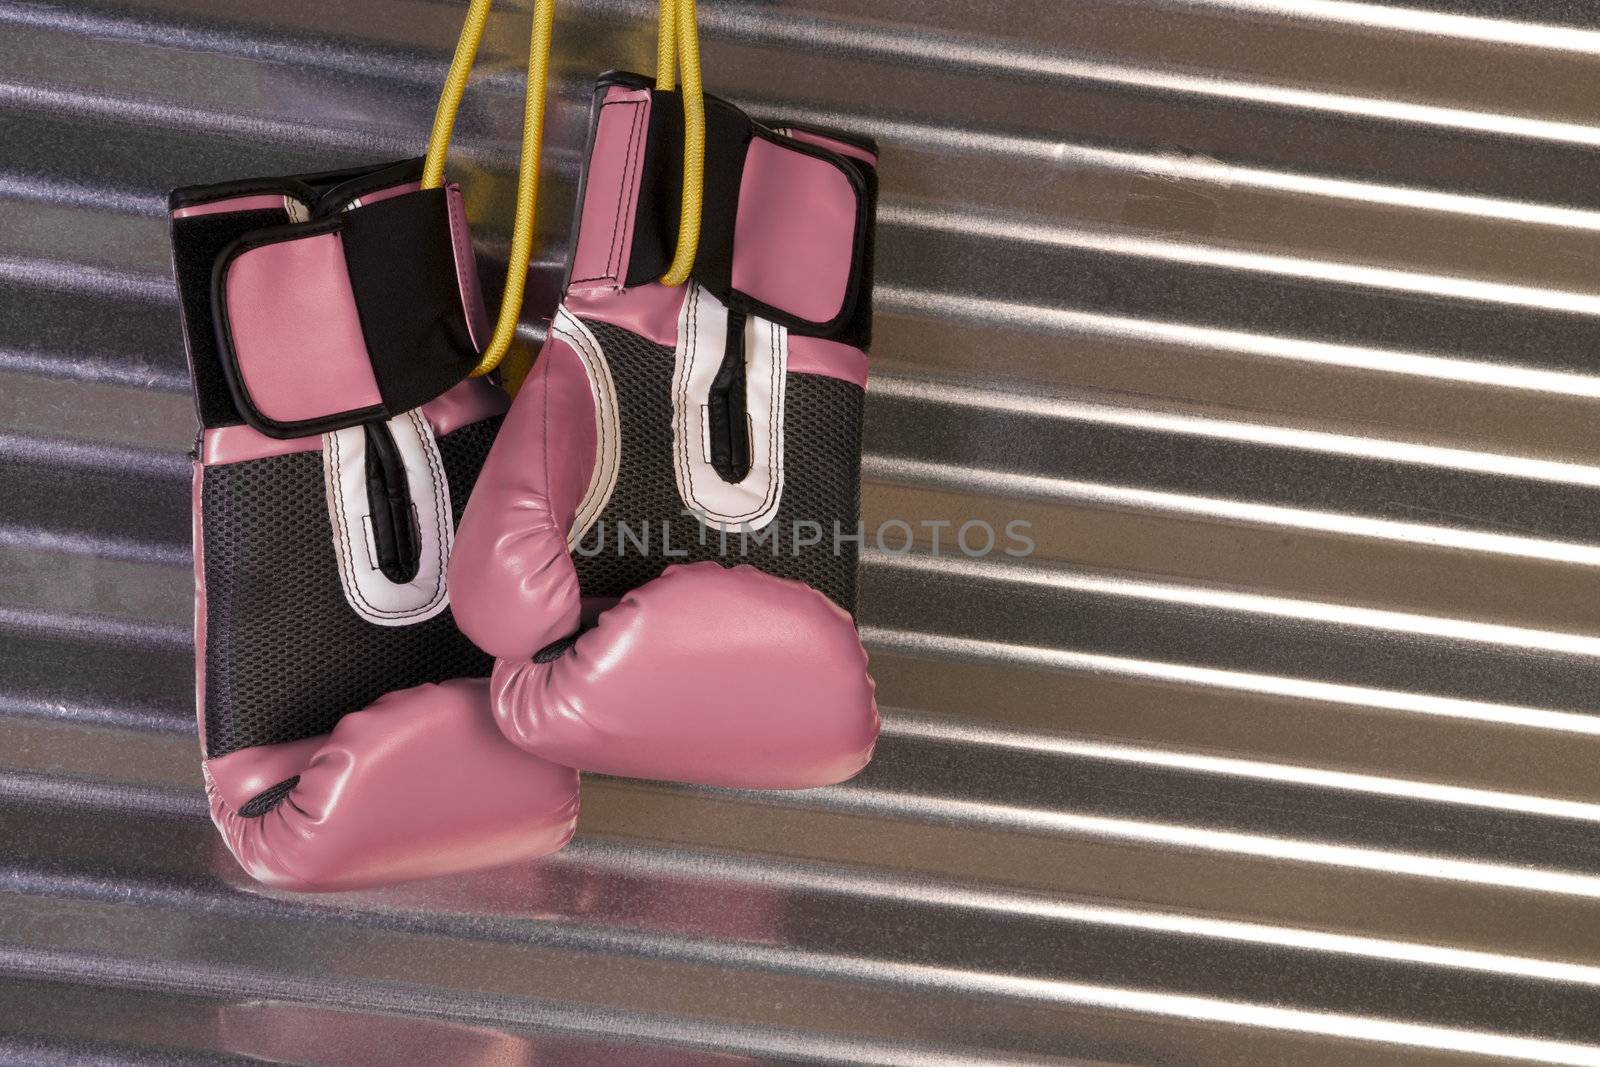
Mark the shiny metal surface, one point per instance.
(1280, 322)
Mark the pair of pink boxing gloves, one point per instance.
(651, 554)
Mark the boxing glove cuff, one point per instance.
(352, 297)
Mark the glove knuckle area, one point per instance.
(418, 784)
(712, 675)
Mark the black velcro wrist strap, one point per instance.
(401, 258)
(775, 208)
(363, 314)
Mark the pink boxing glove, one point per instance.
(330, 321)
(681, 469)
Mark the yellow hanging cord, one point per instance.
(678, 32)
(677, 45)
(505, 327)
(667, 46)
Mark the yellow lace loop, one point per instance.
(677, 53)
(444, 119)
(678, 38)
(667, 46)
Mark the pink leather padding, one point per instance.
(844, 148)
(513, 588)
(465, 403)
(296, 333)
(610, 192)
(254, 202)
(794, 235)
(466, 269)
(221, 445)
(418, 784)
(650, 310)
(817, 355)
(719, 676)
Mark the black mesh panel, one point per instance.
(822, 480)
(286, 658)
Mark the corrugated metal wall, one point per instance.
(1280, 321)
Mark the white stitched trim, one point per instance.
(702, 339)
(367, 590)
(607, 446)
